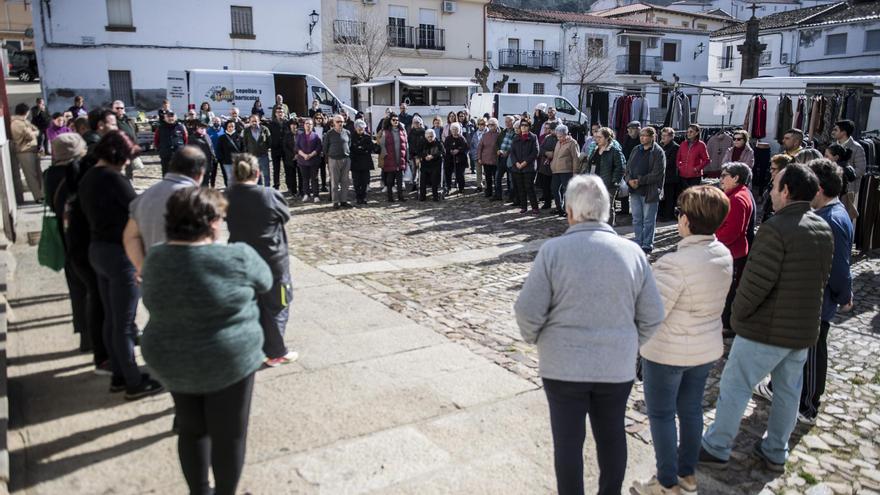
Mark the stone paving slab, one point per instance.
(360, 412)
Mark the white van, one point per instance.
(500, 104)
(224, 89)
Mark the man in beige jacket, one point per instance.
(24, 141)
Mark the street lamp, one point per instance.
(313, 17)
(699, 50)
(574, 41)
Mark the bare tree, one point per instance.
(587, 63)
(362, 47)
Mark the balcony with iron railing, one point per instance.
(349, 32)
(423, 37)
(536, 60)
(639, 65)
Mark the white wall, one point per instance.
(499, 31)
(803, 58)
(163, 42)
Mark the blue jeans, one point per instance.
(749, 362)
(265, 178)
(558, 183)
(671, 391)
(644, 220)
(119, 297)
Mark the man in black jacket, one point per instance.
(170, 137)
(523, 154)
(277, 127)
(40, 117)
(645, 171)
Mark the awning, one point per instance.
(437, 83)
(371, 84)
(629, 32)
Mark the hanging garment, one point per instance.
(598, 102)
(816, 116)
(717, 146)
(759, 126)
(750, 114)
(798, 120)
(719, 106)
(783, 117)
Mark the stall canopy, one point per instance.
(422, 82)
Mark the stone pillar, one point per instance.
(751, 50)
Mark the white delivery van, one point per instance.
(224, 89)
(500, 104)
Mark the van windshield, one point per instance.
(563, 106)
(322, 95)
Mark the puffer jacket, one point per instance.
(487, 151)
(692, 159)
(747, 157)
(689, 281)
(779, 298)
(611, 167)
(565, 157)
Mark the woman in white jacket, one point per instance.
(677, 359)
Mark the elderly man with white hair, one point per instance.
(588, 303)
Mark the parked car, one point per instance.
(23, 64)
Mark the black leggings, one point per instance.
(570, 402)
(213, 433)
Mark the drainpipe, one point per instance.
(485, 27)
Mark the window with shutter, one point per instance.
(242, 22)
(872, 40)
(119, 14)
(120, 86)
(835, 44)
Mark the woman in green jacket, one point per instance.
(204, 340)
(606, 161)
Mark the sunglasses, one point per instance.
(678, 212)
(738, 139)
(118, 108)
(394, 120)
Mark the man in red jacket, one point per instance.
(692, 158)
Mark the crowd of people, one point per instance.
(783, 282)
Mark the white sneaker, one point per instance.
(317, 199)
(763, 390)
(653, 487)
(804, 420)
(305, 198)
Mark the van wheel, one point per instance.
(24, 76)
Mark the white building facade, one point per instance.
(443, 37)
(124, 49)
(838, 39)
(741, 9)
(626, 54)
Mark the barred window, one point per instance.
(538, 89)
(242, 22)
(120, 86)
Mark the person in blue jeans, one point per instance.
(775, 315)
(678, 358)
(645, 173)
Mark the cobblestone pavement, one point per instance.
(472, 303)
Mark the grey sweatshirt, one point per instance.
(589, 302)
(337, 144)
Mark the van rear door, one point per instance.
(292, 88)
(177, 91)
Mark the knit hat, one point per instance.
(634, 123)
(68, 147)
